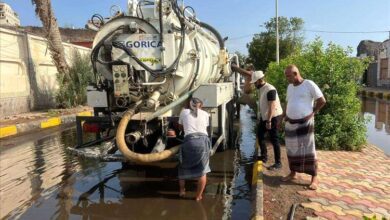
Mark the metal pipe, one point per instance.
(134, 137)
(154, 83)
(152, 102)
(162, 48)
(292, 213)
(170, 106)
(217, 143)
(277, 32)
(197, 63)
(94, 142)
(121, 102)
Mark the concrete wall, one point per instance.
(27, 73)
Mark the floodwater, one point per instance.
(378, 126)
(40, 180)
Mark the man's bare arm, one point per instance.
(271, 110)
(320, 103)
(245, 73)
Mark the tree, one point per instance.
(339, 126)
(46, 14)
(73, 93)
(262, 48)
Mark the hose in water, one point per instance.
(136, 157)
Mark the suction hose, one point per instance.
(136, 157)
(152, 157)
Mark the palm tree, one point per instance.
(45, 12)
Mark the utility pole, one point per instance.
(277, 32)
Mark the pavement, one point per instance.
(35, 121)
(352, 185)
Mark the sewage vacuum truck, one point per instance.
(147, 63)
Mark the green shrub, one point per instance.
(373, 218)
(72, 93)
(339, 126)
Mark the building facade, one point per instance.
(7, 15)
(378, 72)
(383, 70)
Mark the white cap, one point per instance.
(257, 75)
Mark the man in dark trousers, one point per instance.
(269, 114)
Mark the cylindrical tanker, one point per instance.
(183, 53)
(146, 64)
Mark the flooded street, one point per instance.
(40, 180)
(378, 126)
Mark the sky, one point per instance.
(239, 20)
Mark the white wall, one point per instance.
(27, 72)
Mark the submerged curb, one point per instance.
(12, 130)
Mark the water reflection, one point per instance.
(30, 171)
(242, 200)
(378, 128)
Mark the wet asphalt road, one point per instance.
(40, 180)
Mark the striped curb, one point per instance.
(8, 131)
(257, 185)
(11, 130)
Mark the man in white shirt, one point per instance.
(299, 130)
(195, 150)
